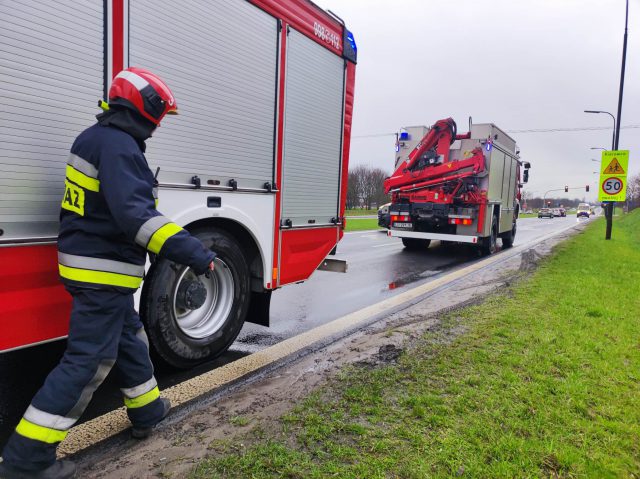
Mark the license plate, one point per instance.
(403, 225)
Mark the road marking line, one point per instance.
(395, 243)
(114, 422)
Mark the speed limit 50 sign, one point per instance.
(613, 175)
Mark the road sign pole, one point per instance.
(611, 205)
(613, 183)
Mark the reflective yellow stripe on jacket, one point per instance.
(153, 234)
(82, 173)
(86, 269)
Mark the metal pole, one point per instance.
(624, 60)
(616, 143)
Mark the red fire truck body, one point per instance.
(259, 152)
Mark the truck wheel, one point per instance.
(415, 243)
(489, 246)
(508, 238)
(193, 319)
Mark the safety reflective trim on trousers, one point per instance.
(81, 179)
(83, 166)
(99, 277)
(100, 264)
(40, 433)
(48, 420)
(139, 390)
(102, 370)
(143, 400)
(155, 232)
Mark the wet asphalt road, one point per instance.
(378, 268)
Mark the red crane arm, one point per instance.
(441, 135)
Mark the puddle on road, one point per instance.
(415, 277)
(261, 339)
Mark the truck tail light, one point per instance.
(460, 221)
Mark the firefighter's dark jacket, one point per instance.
(109, 220)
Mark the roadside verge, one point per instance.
(278, 385)
(539, 380)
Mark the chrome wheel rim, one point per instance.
(210, 317)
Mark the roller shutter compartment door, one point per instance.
(51, 78)
(219, 58)
(313, 132)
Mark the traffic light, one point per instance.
(587, 188)
(566, 189)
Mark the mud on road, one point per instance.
(231, 418)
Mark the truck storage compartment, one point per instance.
(52, 75)
(220, 59)
(313, 132)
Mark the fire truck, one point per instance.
(255, 165)
(456, 188)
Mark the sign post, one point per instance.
(613, 180)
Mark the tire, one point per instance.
(183, 337)
(489, 244)
(415, 244)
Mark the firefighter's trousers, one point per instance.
(105, 332)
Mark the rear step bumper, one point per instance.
(433, 236)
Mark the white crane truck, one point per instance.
(458, 188)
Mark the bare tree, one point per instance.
(633, 192)
(366, 186)
(376, 181)
(353, 197)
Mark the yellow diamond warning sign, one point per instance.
(614, 168)
(613, 175)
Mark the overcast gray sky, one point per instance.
(524, 64)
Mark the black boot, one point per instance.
(57, 470)
(138, 432)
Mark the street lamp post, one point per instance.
(616, 124)
(608, 212)
(613, 139)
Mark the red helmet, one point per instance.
(143, 92)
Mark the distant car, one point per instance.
(583, 211)
(556, 212)
(545, 213)
(384, 218)
(563, 212)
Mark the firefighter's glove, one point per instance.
(209, 270)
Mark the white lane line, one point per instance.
(395, 243)
(114, 422)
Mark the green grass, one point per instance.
(541, 380)
(362, 224)
(361, 212)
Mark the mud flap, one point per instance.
(259, 308)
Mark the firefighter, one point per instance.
(108, 222)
